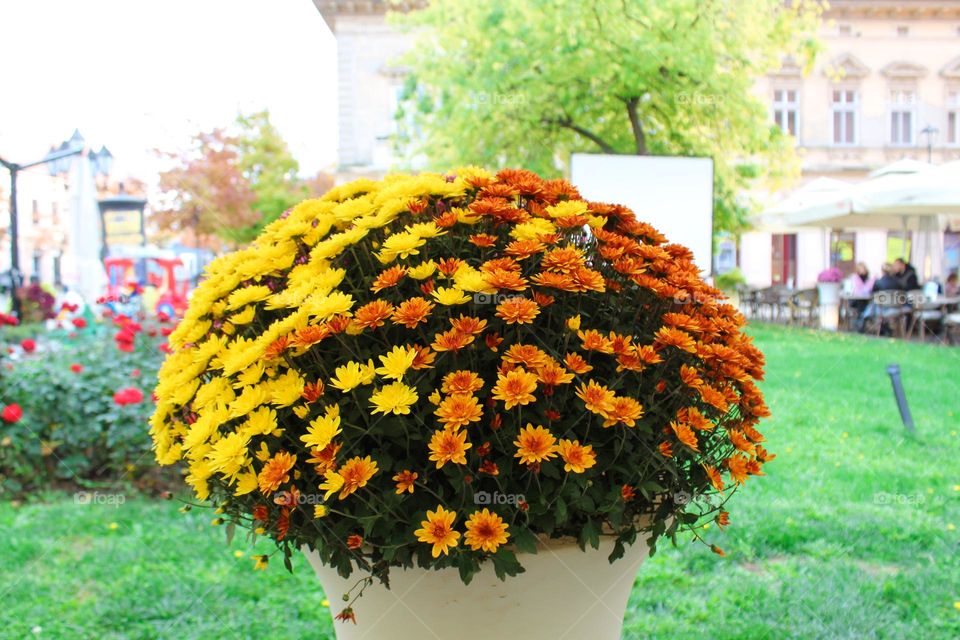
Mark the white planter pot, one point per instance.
(829, 294)
(564, 593)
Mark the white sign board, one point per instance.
(673, 194)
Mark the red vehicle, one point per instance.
(123, 289)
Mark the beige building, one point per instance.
(886, 87)
(368, 82)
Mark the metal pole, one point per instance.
(14, 244)
(894, 372)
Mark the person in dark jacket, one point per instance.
(889, 281)
(906, 274)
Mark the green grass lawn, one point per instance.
(855, 533)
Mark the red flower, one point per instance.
(11, 413)
(76, 367)
(135, 373)
(79, 323)
(128, 395)
(28, 345)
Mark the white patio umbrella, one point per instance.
(822, 195)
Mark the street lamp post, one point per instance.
(59, 162)
(930, 131)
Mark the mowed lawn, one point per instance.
(855, 532)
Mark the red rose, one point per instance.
(12, 413)
(79, 323)
(28, 345)
(128, 395)
(76, 367)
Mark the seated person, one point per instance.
(952, 287)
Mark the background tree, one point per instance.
(527, 83)
(229, 184)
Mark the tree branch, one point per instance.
(567, 123)
(639, 137)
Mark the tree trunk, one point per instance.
(638, 136)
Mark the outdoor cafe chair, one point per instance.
(924, 310)
(804, 308)
(889, 310)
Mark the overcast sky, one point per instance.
(136, 75)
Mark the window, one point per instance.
(953, 117)
(844, 104)
(786, 111)
(902, 105)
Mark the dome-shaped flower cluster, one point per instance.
(441, 367)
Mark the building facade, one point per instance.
(885, 87)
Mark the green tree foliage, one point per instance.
(228, 184)
(526, 83)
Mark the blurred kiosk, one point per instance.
(673, 194)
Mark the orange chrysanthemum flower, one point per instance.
(325, 459)
(459, 410)
(740, 441)
(666, 449)
(483, 240)
(585, 279)
(490, 468)
(597, 398)
(592, 340)
(486, 531)
(492, 341)
(515, 388)
(625, 410)
(690, 376)
(354, 541)
(714, 476)
(412, 312)
(714, 398)
(577, 458)
(276, 348)
(563, 259)
(388, 278)
(437, 530)
(312, 391)
(560, 281)
(527, 355)
(521, 249)
(685, 434)
(461, 382)
(534, 445)
(504, 280)
(738, 466)
(576, 363)
(627, 493)
(468, 324)
(276, 472)
(449, 266)
(668, 337)
(310, 335)
(552, 375)
(423, 359)
(451, 340)
(518, 310)
(356, 472)
(405, 480)
(448, 445)
(373, 314)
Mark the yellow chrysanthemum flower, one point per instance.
(322, 430)
(450, 296)
(394, 398)
(396, 362)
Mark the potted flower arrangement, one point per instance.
(828, 294)
(475, 401)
